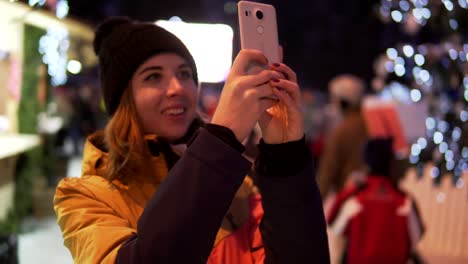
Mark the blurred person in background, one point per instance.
(64, 111)
(314, 121)
(341, 156)
(160, 186)
(380, 222)
(82, 121)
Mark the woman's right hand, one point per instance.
(245, 97)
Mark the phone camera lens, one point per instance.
(259, 14)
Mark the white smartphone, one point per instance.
(258, 29)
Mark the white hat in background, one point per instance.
(347, 87)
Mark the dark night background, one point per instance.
(321, 38)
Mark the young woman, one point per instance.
(159, 186)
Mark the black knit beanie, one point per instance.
(122, 45)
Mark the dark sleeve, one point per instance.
(181, 220)
(293, 226)
(226, 135)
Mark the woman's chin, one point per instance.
(175, 134)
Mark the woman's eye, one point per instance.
(153, 77)
(184, 75)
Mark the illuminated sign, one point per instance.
(209, 44)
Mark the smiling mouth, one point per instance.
(174, 111)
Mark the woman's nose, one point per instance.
(175, 87)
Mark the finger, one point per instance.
(260, 78)
(284, 97)
(288, 86)
(266, 103)
(283, 68)
(262, 92)
(246, 57)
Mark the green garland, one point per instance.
(30, 164)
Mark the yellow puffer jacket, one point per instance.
(97, 216)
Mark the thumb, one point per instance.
(245, 58)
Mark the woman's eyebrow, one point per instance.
(150, 68)
(185, 65)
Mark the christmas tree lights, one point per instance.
(435, 73)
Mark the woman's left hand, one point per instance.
(283, 122)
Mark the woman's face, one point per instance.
(165, 95)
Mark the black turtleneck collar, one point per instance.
(162, 145)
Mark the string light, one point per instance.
(450, 165)
(408, 51)
(54, 46)
(419, 59)
(400, 60)
(438, 137)
(414, 159)
(415, 150)
(465, 152)
(453, 54)
(416, 71)
(443, 135)
(404, 5)
(443, 126)
(435, 172)
(389, 66)
(422, 142)
(453, 24)
(400, 70)
(392, 53)
(36, 2)
(417, 13)
(456, 134)
(448, 5)
(449, 155)
(415, 95)
(62, 9)
(397, 16)
(426, 13)
(464, 116)
(443, 147)
(463, 3)
(424, 75)
(74, 66)
(463, 56)
(430, 123)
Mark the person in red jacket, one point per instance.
(160, 186)
(380, 222)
